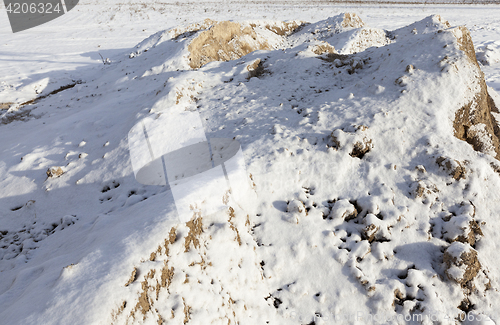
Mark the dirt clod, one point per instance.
(361, 148)
(473, 232)
(296, 206)
(133, 277)
(369, 232)
(172, 236)
(453, 167)
(55, 171)
(255, 69)
(462, 264)
(423, 189)
(463, 229)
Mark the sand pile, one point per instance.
(364, 199)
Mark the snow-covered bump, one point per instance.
(489, 54)
(296, 206)
(255, 68)
(344, 210)
(462, 264)
(423, 188)
(353, 139)
(430, 24)
(462, 228)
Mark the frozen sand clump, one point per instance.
(461, 262)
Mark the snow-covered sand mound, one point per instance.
(370, 207)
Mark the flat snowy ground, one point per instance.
(93, 246)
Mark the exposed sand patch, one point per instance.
(133, 277)
(223, 42)
(352, 20)
(232, 226)
(461, 262)
(454, 167)
(284, 28)
(151, 285)
(323, 48)
(55, 171)
(118, 312)
(195, 230)
(5, 105)
(187, 311)
(144, 303)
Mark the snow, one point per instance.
(457, 249)
(318, 140)
(458, 226)
(489, 54)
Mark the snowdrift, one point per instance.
(372, 165)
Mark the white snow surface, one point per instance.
(286, 254)
(489, 54)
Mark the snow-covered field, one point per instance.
(359, 202)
